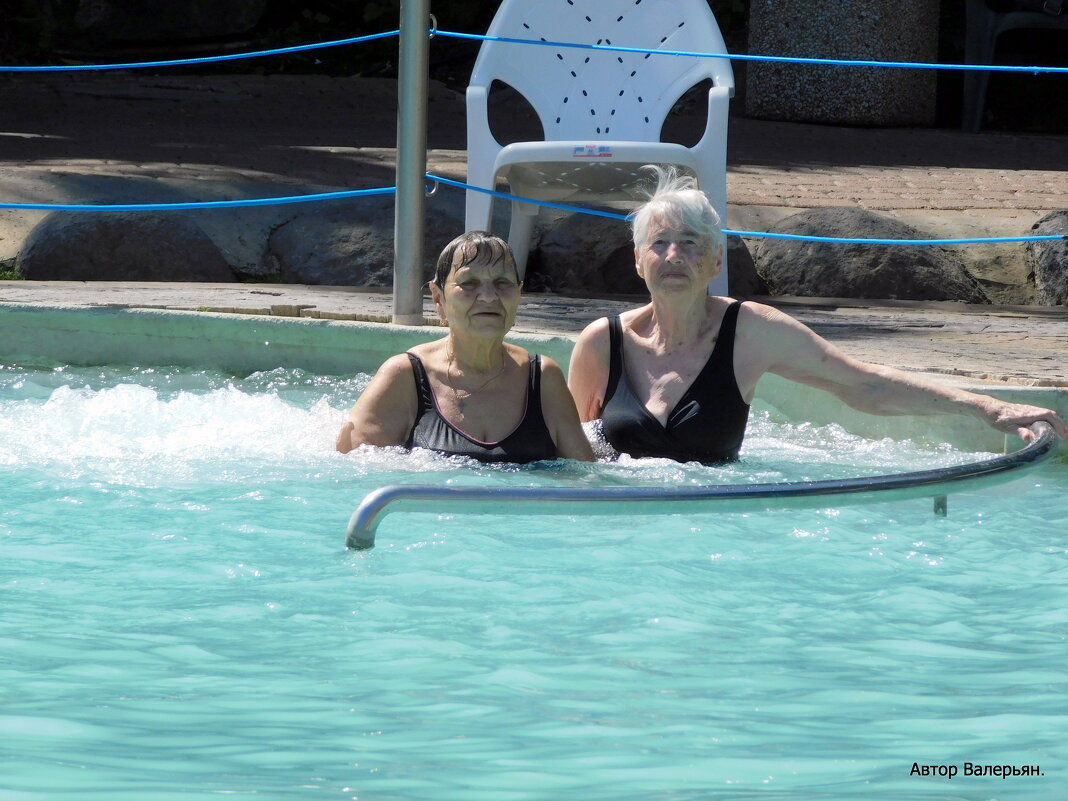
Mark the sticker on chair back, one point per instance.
(591, 152)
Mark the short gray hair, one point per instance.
(676, 199)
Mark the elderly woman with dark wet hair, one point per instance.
(675, 378)
(471, 393)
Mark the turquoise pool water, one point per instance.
(180, 621)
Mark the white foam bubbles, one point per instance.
(143, 434)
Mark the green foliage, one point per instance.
(381, 12)
(266, 278)
(9, 271)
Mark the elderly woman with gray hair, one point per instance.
(675, 377)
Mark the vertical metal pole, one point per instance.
(411, 162)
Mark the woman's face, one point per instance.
(676, 259)
(480, 298)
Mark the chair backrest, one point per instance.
(596, 95)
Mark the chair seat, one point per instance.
(579, 171)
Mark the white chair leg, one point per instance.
(719, 285)
(479, 210)
(978, 49)
(520, 232)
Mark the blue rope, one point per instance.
(506, 39)
(202, 59)
(388, 190)
(986, 240)
(199, 204)
(764, 234)
(838, 62)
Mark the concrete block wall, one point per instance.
(875, 30)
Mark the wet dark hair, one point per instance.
(470, 247)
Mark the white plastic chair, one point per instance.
(601, 111)
(984, 26)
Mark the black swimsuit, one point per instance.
(706, 425)
(529, 442)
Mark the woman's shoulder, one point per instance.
(399, 365)
(754, 314)
(594, 332)
(765, 332)
(638, 313)
(517, 353)
(751, 313)
(549, 365)
(598, 330)
(395, 368)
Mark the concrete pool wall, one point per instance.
(242, 343)
(239, 343)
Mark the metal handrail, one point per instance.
(726, 497)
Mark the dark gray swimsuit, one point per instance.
(529, 442)
(706, 425)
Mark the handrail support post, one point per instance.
(411, 162)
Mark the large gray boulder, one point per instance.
(817, 269)
(743, 280)
(121, 246)
(351, 243)
(1049, 260)
(585, 253)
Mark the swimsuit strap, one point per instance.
(534, 385)
(423, 392)
(727, 327)
(615, 360)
